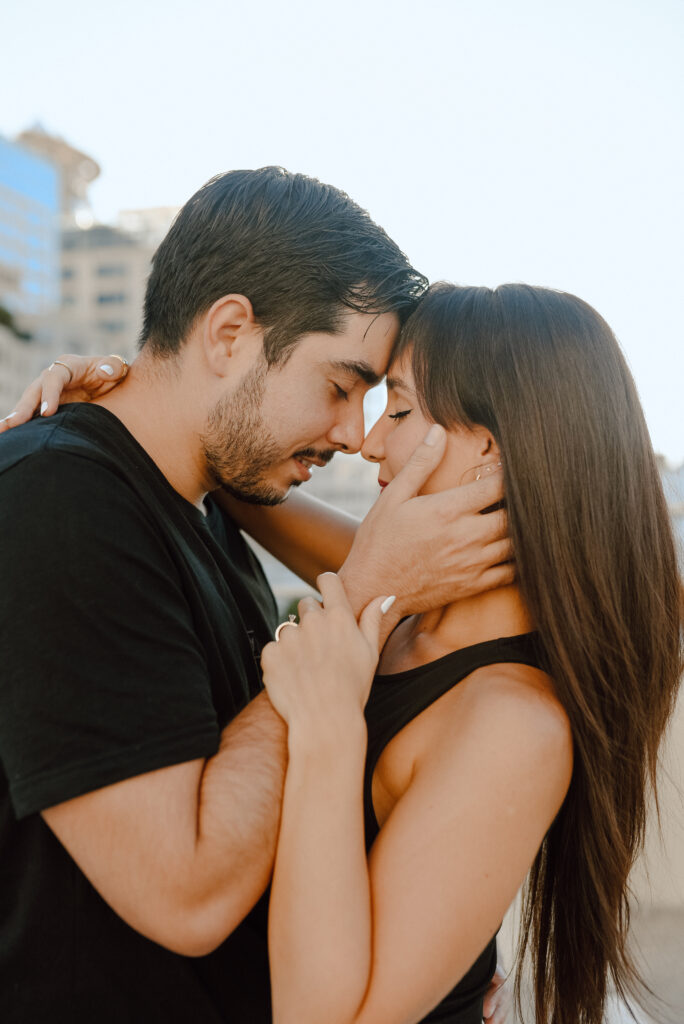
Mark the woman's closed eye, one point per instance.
(399, 415)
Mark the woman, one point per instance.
(514, 734)
(540, 758)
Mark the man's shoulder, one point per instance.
(64, 437)
(54, 477)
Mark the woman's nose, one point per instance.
(373, 449)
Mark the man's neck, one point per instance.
(158, 413)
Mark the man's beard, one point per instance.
(238, 448)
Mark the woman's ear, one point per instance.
(489, 449)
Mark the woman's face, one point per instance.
(403, 425)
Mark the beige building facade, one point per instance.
(20, 362)
(104, 271)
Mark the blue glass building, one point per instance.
(29, 232)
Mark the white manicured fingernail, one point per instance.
(9, 417)
(107, 369)
(43, 408)
(387, 603)
(432, 435)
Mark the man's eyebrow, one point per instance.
(358, 368)
(397, 382)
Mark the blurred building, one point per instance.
(104, 274)
(97, 273)
(673, 482)
(19, 364)
(29, 235)
(29, 265)
(77, 170)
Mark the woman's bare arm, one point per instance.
(383, 941)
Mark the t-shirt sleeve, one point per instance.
(101, 674)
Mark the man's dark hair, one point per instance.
(302, 252)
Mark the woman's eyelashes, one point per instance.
(399, 415)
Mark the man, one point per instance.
(142, 766)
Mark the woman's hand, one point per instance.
(497, 1000)
(323, 668)
(68, 379)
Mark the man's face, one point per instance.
(261, 439)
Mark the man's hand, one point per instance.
(497, 1001)
(69, 379)
(432, 549)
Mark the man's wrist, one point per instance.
(355, 588)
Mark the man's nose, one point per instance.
(348, 432)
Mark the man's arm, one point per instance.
(182, 854)
(306, 534)
(109, 723)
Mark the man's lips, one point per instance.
(311, 460)
(304, 461)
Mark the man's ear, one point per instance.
(229, 329)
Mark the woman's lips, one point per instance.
(383, 483)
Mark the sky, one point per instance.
(494, 140)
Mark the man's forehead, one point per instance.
(369, 341)
(358, 368)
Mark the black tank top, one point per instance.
(394, 701)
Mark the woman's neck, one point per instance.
(487, 616)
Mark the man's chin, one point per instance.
(261, 495)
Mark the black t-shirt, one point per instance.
(130, 631)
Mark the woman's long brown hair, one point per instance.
(597, 568)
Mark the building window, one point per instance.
(111, 270)
(68, 273)
(112, 326)
(111, 298)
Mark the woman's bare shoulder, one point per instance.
(511, 688)
(513, 709)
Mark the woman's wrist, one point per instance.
(337, 736)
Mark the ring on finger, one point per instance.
(58, 362)
(124, 361)
(290, 622)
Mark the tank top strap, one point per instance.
(398, 698)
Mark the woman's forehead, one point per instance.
(400, 372)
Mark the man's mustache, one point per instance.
(323, 458)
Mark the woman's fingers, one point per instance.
(68, 378)
(307, 605)
(114, 367)
(370, 622)
(422, 463)
(333, 593)
(25, 407)
(497, 1001)
(54, 380)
